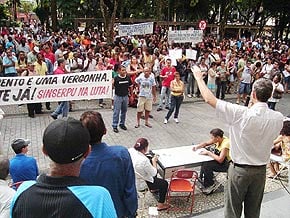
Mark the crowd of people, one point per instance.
(258, 71)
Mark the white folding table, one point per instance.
(171, 159)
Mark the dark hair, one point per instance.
(94, 122)
(263, 88)
(19, 150)
(141, 144)
(217, 132)
(4, 168)
(279, 77)
(258, 64)
(286, 128)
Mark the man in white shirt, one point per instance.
(251, 132)
(90, 63)
(6, 193)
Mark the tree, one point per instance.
(14, 4)
(27, 7)
(3, 13)
(108, 9)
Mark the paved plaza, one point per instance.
(195, 121)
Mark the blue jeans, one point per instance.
(62, 108)
(175, 104)
(221, 89)
(120, 105)
(165, 93)
(190, 84)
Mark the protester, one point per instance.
(22, 167)
(177, 95)
(109, 166)
(6, 193)
(63, 107)
(252, 131)
(278, 90)
(121, 83)
(221, 156)
(9, 61)
(147, 95)
(166, 75)
(32, 108)
(62, 193)
(147, 172)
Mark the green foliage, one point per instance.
(3, 12)
(42, 13)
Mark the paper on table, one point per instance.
(198, 151)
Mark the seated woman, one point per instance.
(143, 168)
(220, 155)
(282, 141)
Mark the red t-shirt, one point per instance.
(170, 72)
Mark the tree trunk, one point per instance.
(109, 19)
(53, 9)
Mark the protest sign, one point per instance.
(136, 29)
(175, 53)
(64, 87)
(183, 36)
(190, 54)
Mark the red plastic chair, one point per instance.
(182, 181)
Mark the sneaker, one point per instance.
(237, 102)
(123, 127)
(189, 95)
(115, 130)
(150, 116)
(209, 190)
(159, 109)
(53, 116)
(176, 120)
(167, 107)
(165, 121)
(101, 105)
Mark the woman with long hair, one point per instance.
(133, 70)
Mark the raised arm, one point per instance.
(205, 92)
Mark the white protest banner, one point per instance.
(182, 36)
(190, 54)
(65, 87)
(136, 29)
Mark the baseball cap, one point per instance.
(66, 140)
(36, 49)
(19, 143)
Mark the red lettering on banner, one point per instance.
(56, 93)
(99, 90)
(83, 91)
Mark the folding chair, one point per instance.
(142, 189)
(284, 164)
(182, 181)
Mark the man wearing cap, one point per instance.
(61, 193)
(31, 56)
(22, 167)
(110, 167)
